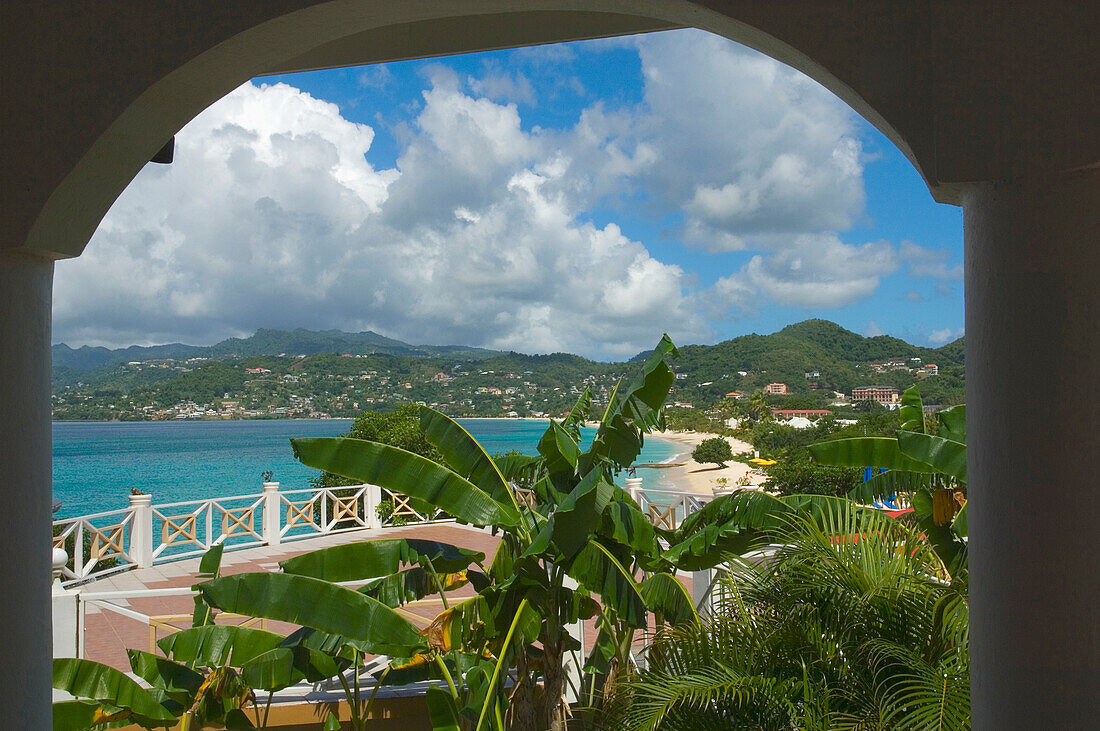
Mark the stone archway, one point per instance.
(995, 105)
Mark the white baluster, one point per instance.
(273, 514)
(141, 530)
(634, 487)
(371, 497)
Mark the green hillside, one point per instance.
(302, 373)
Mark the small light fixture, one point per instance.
(164, 155)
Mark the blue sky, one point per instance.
(582, 197)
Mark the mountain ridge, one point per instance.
(265, 341)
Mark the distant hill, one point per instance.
(278, 373)
(841, 359)
(265, 342)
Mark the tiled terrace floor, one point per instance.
(108, 634)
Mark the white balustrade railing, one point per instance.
(98, 543)
(668, 508)
(145, 534)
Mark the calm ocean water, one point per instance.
(96, 464)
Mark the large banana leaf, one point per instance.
(97, 682)
(178, 681)
(416, 583)
(624, 523)
(284, 666)
(572, 524)
(945, 456)
(912, 410)
(603, 568)
(665, 595)
(888, 483)
(560, 453)
(882, 452)
(633, 410)
(318, 604)
(406, 473)
(74, 715)
(213, 645)
(442, 710)
(464, 455)
(374, 559)
(953, 423)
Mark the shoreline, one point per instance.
(690, 476)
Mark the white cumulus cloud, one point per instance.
(272, 216)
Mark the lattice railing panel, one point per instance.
(97, 544)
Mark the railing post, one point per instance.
(702, 595)
(634, 487)
(372, 496)
(573, 663)
(141, 529)
(273, 514)
(68, 625)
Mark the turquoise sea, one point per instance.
(95, 464)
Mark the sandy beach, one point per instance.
(686, 474)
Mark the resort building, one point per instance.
(776, 389)
(785, 414)
(931, 369)
(882, 394)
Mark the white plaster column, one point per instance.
(272, 515)
(702, 596)
(26, 285)
(1033, 379)
(141, 530)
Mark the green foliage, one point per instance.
(794, 477)
(398, 428)
(309, 376)
(841, 629)
(715, 450)
(930, 468)
(580, 525)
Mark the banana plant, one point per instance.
(581, 548)
(927, 461)
(207, 676)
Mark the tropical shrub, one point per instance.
(715, 450)
(845, 627)
(790, 477)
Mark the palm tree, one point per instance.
(845, 627)
(758, 405)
